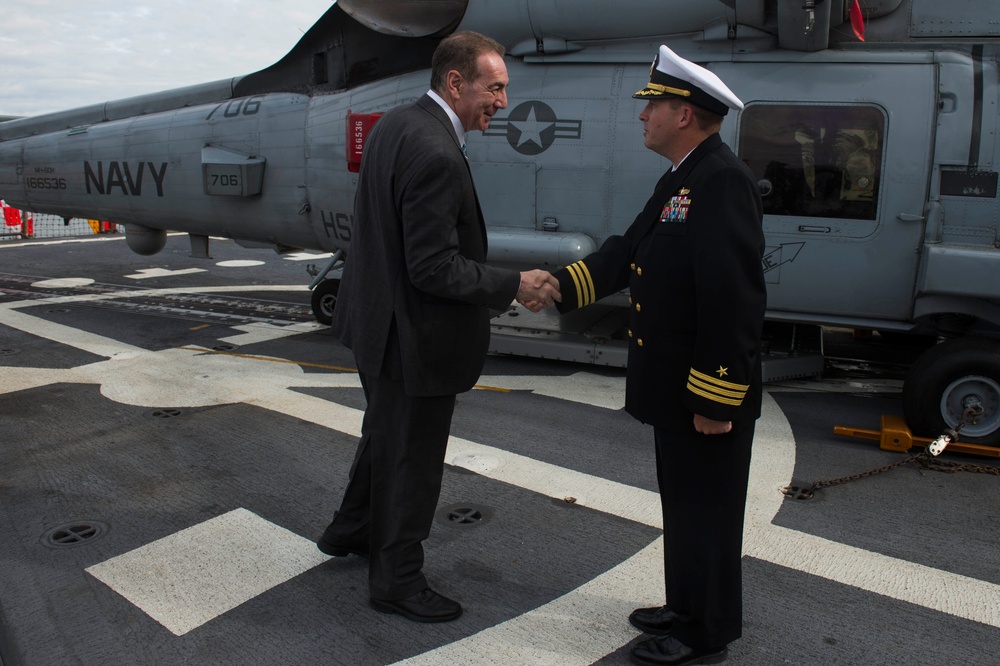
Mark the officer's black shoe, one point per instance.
(656, 621)
(342, 550)
(668, 651)
(424, 606)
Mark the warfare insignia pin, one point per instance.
(684, 191)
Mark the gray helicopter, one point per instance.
(877, 159)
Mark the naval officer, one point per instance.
(414, 306)
(692, 263)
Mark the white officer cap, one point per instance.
(673, 76)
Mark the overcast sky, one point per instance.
(60, 54)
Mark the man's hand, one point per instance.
(707, 426)
(539, 289)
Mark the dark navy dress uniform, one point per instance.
(691, 261)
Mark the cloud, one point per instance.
(62, 54)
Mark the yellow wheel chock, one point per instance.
(896, 436)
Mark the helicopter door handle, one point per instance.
(909, 217)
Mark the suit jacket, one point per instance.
(416, 264)
(692, 262)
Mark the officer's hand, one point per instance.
(538, 290)
(707, 426)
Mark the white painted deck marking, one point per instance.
(240, 263)
(263, 332)
(773, 463)
(576, 629)
(58, 283)
(147, 378)
(199, 573)
(617, 499)
(584, 387)
(146, 273)
(305, 256)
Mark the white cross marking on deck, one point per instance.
(188, 578)
(146, 273)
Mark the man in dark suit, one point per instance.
(692, 263)
(413, 306)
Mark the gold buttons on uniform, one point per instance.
(639, 342)
(638, 270)
(631, 266)
(630, 332)
(638, 307)
(630, 300)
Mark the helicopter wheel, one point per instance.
(948, 379)
(324, 299)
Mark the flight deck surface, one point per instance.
(176, 432)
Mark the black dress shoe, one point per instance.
(342, 550)
(656, 621)
(424, 606)
(668, 651)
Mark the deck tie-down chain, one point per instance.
(926, 459)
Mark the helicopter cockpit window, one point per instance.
(815, 161)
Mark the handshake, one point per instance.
(538, 290)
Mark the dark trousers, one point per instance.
(394, 485)
(703, 489)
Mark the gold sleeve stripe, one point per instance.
(714, 398)
(585, 286)
(719, 382)
(591, 289)
(715, 389)
(576, 281)
(585, 292)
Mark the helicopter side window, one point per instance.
(815, 161)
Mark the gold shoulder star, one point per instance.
(722, 372)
